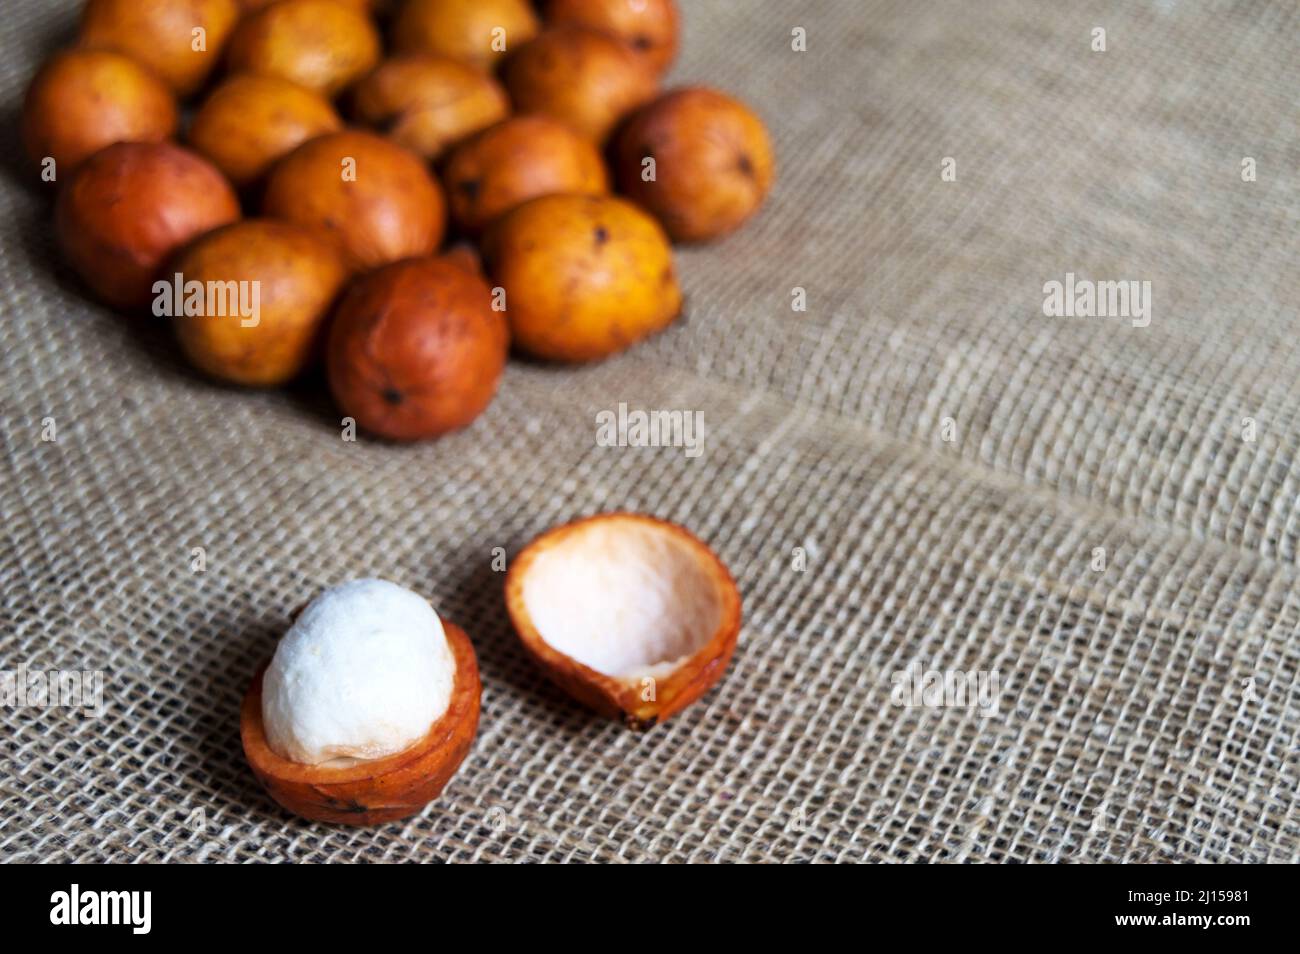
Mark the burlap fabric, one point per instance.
(1104, 515)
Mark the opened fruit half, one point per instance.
(629, 614)
(334, 726)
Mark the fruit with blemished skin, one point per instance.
(608, 572)
(161, 34)
(520, 159)
(651, 27)
(377, 198)
(416, 349)
(249, 122)
(324, 45)
(584, 276)
(579, 76)
(299, 274)
(464, 30)
(429, 103)
(371, 791)
(84, 100)
(713, 162)
(132, 205)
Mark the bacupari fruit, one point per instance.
(132, 205)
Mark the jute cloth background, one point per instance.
(1147, 709)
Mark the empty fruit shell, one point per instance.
(629, 614)
(370, 791)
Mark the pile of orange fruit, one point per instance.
(401, 191)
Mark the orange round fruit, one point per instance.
(429, 103)
(286, 276)
(699, 160)
(478, 32)
(84, 100)
(520, 159)
(249, 122)
(132, 205)
(651, 27)
(584, 276)
(180, 40)
(324, 45)
(416, 349)
(375, 197)
(581, 77)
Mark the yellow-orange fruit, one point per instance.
(129, 207)
(250, 122)
(651, 27)
(584, 276)
(180, 40)
(84, 100)
(377, 198)
(520, 159)
(288, 276)
(416, 349)
(581, 77)
(712, 162)
(324, 45)
(428, 103)
(480, 32)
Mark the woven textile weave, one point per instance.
(1107, 516)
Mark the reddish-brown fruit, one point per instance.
(712, 162)
(250, 122)
(642, 599)
(132, 205)
(651, 27)
(372, 791)
(84, 100)
(584, 276)
(416, 349)
(377, 198)
(164, 35)
(324, 45)
(298, 273)
(520, 159)
(428, 103)
(478, 32)
(579, 76)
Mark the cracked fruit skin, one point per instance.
(300, 273)
(581, 77)
(390, 208)
(84, 100)
(623, 698)
(249, 122)
(130, 207)
(429, 103)
(520, 159)
(324, 45)
(160, 35)
(584, 276)
(714, 164)
(651, 27)
(463, 29)
(369, 792)
(416, 350)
